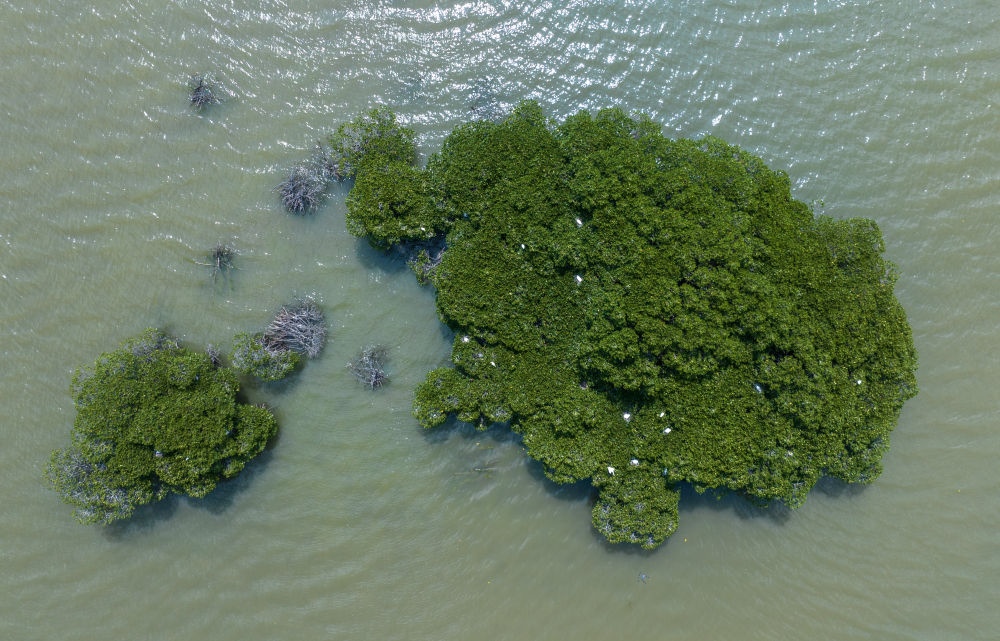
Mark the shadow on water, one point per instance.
(499, 447)
(251, 388)
(723, 500)
(480, 452)
(835, 488)
(499, 433)
(143, 520)
(746, 508)
(584, 493)
(225, 493)
(775, 511)
(391, 261)
(579, 492)
(217, 502)
(626, 549)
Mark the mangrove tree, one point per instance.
(154, 418)
(646, 312)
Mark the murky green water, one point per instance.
(357, 525)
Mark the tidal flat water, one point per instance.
(357, 524)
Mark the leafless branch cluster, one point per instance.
(369, 366)
(303, 190)
(299, 327)
(202, 93)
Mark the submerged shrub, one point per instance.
(254, 356)
(369, 366)
(221, 260)
(202, 93)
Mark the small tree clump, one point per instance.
(154, 418)
(297, 330)
(253, 355)
(369, 366)
(392, 201)
(202, 92)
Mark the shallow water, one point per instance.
(359, 525)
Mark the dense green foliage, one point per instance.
(154, 418)
(374, 137)
(253, 357)
(647, 312)
(390, 202)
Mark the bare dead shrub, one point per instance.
(202, 92)
(369, 366)
(298, 327)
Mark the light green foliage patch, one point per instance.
(154, 418)
(390, 202)
(648, 312)
(253, 357)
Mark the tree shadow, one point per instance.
(748, 508)
(224, 495)
(724, 500)
(486, 450)
(389, 261)
(499, 433)
(743, 507)
(276, 388)
(625, 549)
(143, 520)
(836, 488)
(578, 492)
(218, 501)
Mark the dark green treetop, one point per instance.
(154, 418)
(647, 312)
(390, 202)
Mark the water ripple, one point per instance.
(359, 526)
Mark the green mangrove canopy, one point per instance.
(646, 312)
(154, 418)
